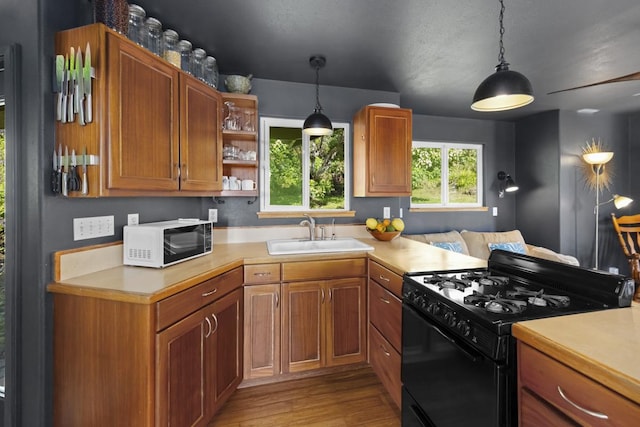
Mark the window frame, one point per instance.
(266, 123)
(444, 188)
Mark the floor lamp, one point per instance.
(597, 160)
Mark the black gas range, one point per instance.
(457, 343)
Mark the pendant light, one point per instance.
(317, 123)
(505, 89)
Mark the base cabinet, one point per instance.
(313, 317)
(170, 363)
(552, 393)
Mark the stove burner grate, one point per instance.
(496, 303)
(539, 298)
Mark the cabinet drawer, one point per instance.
(320, 270)
(535, 412)
(386, 278)
(385, 362)
(261, 273)
(385, 312)
(171, 309)
(548, 378)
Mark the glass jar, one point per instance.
(153, 36)
(170, 50)
(184, 47)
(136, 30)
(211, 71)
(197, 63)
(113, 13)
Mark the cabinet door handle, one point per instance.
(322, 290)
(580, 408)
(330, 295)
(384, 350)
(210, 327)
(216, 319)
(208, 294)
(384, 300)
(384, 278)
(277, 298)
(177, 169)
(184, 172)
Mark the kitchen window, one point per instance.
(446, 175)
(300, 173)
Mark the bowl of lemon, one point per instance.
(385, 229)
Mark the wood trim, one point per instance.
(300, 214)
(451, 209)
(89, 259)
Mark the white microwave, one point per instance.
(160, 244)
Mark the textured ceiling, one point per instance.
(433, 52)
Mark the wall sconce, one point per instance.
(506, 184)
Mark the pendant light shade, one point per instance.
(317, 123)
(505, 89)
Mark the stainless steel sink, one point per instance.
(297, 246)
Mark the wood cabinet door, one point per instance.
(224, 373)
(303, 326)
(382, 139)
(200, 136)
(346, 339)
(261, 331)
(143, 130)
(180, 371)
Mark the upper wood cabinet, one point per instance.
(156, 131)
(382, 140)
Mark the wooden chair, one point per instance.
(628, 230)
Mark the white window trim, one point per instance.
(265, 124)
(444, 191)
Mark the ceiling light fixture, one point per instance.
(317, 123)
(504, 89)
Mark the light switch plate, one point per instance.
(386, 212)
(213, 215)
(495, 211)
(92, 227)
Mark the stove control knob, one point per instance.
(450, 318)
(464, 328)
(434, 308)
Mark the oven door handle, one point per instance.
(467, 352)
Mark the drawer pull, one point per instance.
(384, 278)
(384, 300)
(262, 274)
(384, 350)
(208, 294)
(580, 408)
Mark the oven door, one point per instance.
(446, 382)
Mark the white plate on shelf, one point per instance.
(384, 104)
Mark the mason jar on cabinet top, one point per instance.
(211, 71)
(153, 36)
(170, 50)
(197, 63)
(136, 30)
(184, 47)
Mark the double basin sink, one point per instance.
(298, 246)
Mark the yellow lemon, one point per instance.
(398, 224)
(371, 223)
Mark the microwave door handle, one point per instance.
(467, 352)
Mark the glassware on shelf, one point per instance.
(230, 152)
(248, 122)
(233, 119)
(136, 29)
(211, 71)
(153, 36)
(170, 51)
(184, 46)
(197, 63)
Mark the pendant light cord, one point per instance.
(501, 62)
(318, 106)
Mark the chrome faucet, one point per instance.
(311, 223)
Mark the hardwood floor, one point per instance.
(350, 398)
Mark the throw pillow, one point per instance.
(450, 246)
(516, 247)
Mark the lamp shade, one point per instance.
(317, 124)
(503, 90)
(621, 201)
(510, 185)
(597, 157)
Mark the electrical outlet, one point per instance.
(213, 215)
(133, 219)
(92, 227)
(386, 212)
(495, 211)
